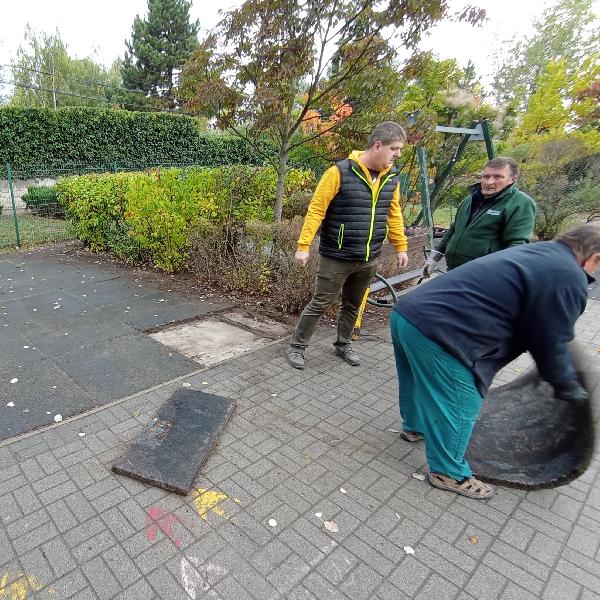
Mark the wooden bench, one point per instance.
(416, 243)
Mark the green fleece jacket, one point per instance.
(501, 222)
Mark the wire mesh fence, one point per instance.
(30, 212)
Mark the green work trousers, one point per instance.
(352, 277)
(438, 398)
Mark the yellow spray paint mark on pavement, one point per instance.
(15, 587)
(208, 500)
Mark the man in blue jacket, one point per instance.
(452, 335)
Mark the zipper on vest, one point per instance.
(375, 197)
(340, 236)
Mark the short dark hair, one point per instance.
(504, 161)
(386, 133)
(584, 239)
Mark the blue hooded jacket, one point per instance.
(492, 309)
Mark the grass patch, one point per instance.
(33, 230)
(442, 217)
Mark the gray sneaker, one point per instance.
(348, 355)
(296, 359)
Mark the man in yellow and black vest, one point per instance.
(356, 205)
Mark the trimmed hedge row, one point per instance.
(56, 139)
(148, 216)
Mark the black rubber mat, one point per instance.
(171, 450)
(526, 438)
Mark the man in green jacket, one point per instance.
(494, 216)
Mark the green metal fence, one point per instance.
(29, 212)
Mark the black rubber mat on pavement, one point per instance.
(526, 438)
(171, 450)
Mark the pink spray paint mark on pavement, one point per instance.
(158, 518)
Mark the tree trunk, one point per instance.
(283, 156)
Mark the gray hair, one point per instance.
(386, 133)
(504, 161)
(584, 239)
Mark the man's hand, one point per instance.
(402, 258)
(572, 393)
(301, 257)
(428, 269)
(431, 264)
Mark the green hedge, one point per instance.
(148, 215)
(43, 201)
(59, 140)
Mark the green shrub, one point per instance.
(149, 215)
(43, 201)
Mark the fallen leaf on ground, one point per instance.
(473, 539)
(58, 418)
(272, 522)
(394, 430)
(10, 404)
(419, 476)
(186, 384)
(318, 515)
(14, 380)
(136, 413)
(408, 550)
(331, 526)
(342, 490)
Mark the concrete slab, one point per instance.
(209, 341)
(262, 326)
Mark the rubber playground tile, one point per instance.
(121, 367)
(78, 335)
(43, 307)
(17, 349)
(37, 396)
(153, 310)
(171, 450)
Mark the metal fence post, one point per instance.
(14, 204)
(425, 201)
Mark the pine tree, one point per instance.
(159, 45)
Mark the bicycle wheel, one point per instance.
(387, 301)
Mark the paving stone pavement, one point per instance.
(321, 441)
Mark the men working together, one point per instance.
(501, 297)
